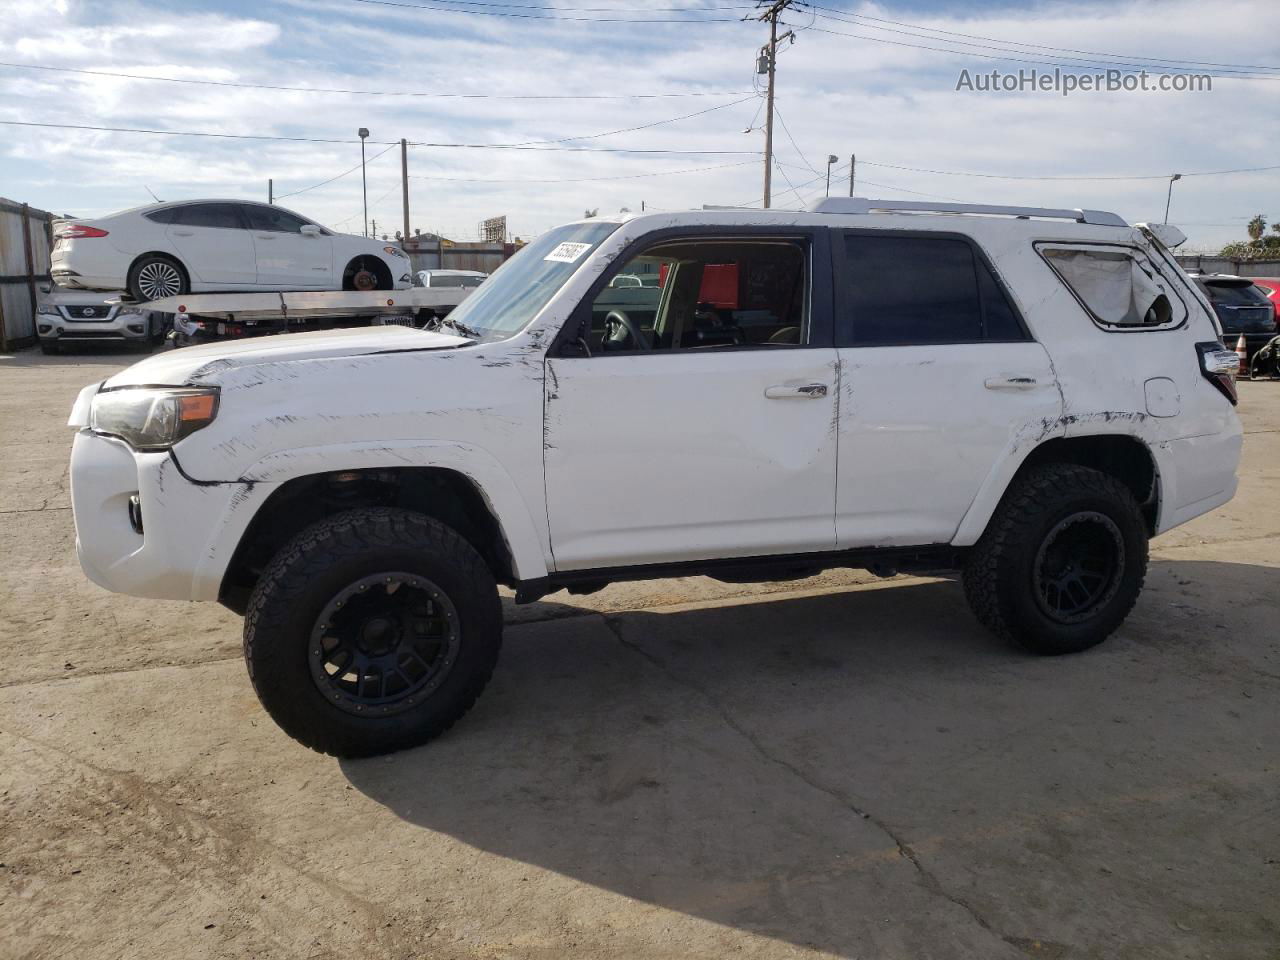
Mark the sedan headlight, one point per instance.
(153, 418)
(395, 252)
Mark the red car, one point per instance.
(1271, 287)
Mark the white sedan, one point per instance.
(194, 246)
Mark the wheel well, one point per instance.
(164, 256)
(1123, 457)
(374, 265)
(445, 495)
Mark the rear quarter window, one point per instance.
(1120, 287)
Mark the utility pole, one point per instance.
(853, 171)
(404, 182)
(770, 58)
(362, 133)
(375, 229)
(270, 192)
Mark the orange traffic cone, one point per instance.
(1242, 351)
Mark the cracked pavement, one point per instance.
(841, 766)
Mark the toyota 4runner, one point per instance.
(1024, 395)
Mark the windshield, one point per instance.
(517, 290)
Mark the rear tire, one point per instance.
(155, 276)
(1062, 561)
(372, 631)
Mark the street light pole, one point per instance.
(362, 133)
(831, 158)
(1169, 199)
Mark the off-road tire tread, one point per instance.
(1014, 521)
(315, 549)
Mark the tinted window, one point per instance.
(902, 290)
(273, 220)
(1235, 294)
(163, 216)
(224, 215)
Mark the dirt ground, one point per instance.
(842, 766)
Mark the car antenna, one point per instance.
(153, 196)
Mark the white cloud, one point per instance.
(889, 104)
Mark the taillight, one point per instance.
(78, 231)
(1218, 365)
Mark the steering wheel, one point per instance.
(618, 320)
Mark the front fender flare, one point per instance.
(503, 497)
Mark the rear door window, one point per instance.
(222, 215)
(900, 290)
(1119, 287)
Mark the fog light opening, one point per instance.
(135, 514)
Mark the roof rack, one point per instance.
(861, 205)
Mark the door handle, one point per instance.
(263, 236)
(183, 233)
(1010, 383)
(809, 391)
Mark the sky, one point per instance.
(561, 77)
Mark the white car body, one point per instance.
(255, 246)
(74, 317)
(646, 460)
(450, 278)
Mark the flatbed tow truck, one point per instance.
(231, 315)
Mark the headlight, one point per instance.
(395, 252)
(153, 418)
(48, 309)
(130, 312)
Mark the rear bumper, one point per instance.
(1197, 474)
(189, 531)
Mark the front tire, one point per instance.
(1062, 561)
(155, 276)
(372, 631)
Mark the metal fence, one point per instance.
(26, 237)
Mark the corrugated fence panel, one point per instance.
(15, 295)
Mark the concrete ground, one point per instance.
(843, 766)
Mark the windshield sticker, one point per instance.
(568, 252)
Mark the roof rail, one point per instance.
(861, 205)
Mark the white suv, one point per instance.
(1023, 395)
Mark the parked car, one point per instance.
(195, 246)
(74, 317)
(1051, 399)
(1242, 309)
(449, 278)
(1270, 287)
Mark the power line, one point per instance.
(345, 173)
(543, 16)
(347, 140)
(375, 93)
(1007, 176)
(542, 6)
(1038, 46)
(643, 126)
(629, 176)
(1009, 59)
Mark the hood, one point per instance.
(198, 364)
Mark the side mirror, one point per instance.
(309, 230)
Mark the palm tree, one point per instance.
(1257, 227)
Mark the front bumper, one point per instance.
(189, 530)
